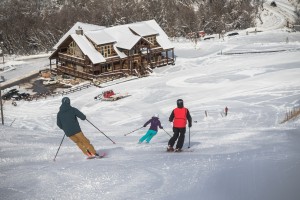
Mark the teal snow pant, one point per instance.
(148, 136)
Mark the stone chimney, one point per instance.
(79, 31)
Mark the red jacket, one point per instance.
(180, 116)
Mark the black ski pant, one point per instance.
(179, 134)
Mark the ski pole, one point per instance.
(189, 137)
(100, 131)
(133, 131)
(59, 147)
(167, 132)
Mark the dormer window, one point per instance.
(105, 50)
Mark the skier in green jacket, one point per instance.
(68, 122)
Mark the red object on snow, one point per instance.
(201, 33)
(108, 94)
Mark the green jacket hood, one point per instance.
(66, 104)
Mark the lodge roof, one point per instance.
(161, 38)
(100, 37)
(84, 26)
(142, 29)
(88, 49)
(122, 36)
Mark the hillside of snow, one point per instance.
(247, 155)
(277, 17)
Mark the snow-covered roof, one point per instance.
(128, 43)
(162, 38)
(85, 27)
(143, 29)
(88, 49)
(100, 37)
(124, 37)
(120, 53)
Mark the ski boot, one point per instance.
(170, 149)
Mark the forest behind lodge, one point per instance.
(34, 26)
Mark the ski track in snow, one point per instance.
(277, 17)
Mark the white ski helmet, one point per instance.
(156, 115)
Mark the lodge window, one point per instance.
(152, 40)
(72, 47)
(63, 50)
(105, 50)
(136, 51)
(74, 50)
(109, 68)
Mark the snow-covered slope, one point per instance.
(246, 155)
(277, 17)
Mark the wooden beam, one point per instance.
(167, 57)
(173, 56)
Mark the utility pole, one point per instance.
(2, 47)
(1, 105)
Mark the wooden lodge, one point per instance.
(98, 53)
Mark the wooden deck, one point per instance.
(104, 77)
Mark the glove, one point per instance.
(144, 126)
(190, 125)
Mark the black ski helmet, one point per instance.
(180, 103)
(66, 100)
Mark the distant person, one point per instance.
(154, 124)
(179, 116)
(226, 111)
(68, 122)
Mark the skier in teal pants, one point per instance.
(152, 130)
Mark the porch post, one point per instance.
(1, 105)
(167, 56)
(173, 56)
(93, 68)
(130, 64)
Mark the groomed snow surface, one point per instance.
(246, 155)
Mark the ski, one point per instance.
(96, 157)
(182, 151)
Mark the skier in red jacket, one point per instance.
(179, 116)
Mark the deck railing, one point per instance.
(103, 76)
(162, 62)
(71, 58)
(72, 72)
